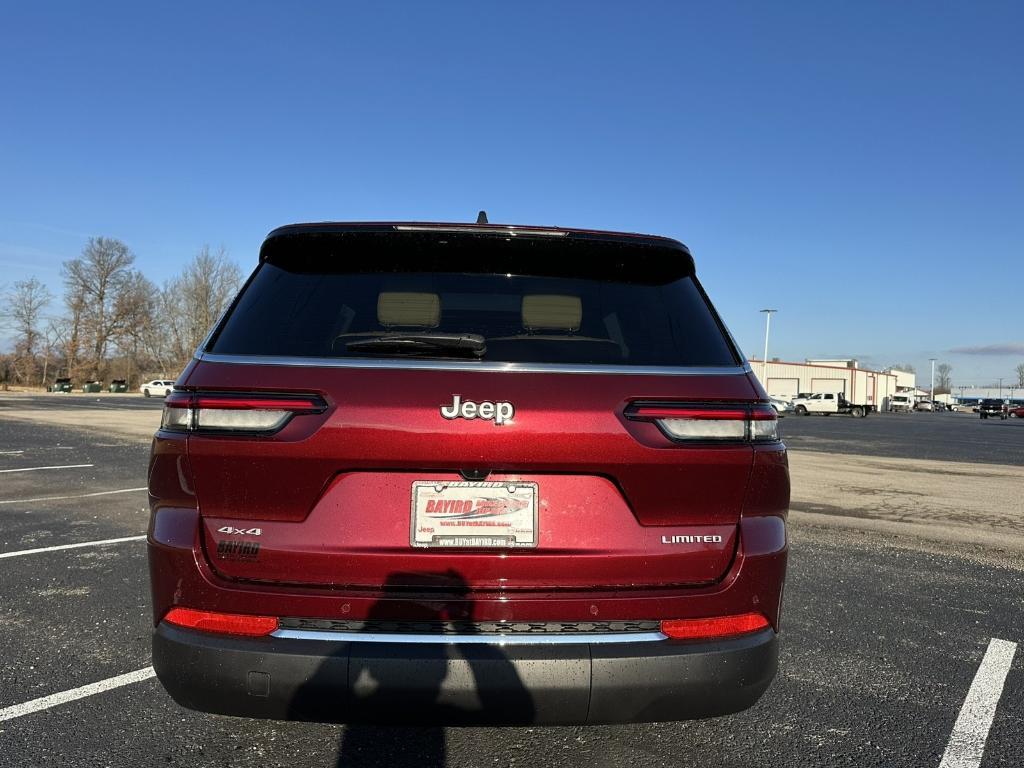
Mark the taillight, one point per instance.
(235, 413)
(222, 623)
(715, 627)
(177, 415)
(686, 423)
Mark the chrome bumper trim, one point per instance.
(470, 365)
(488, 639)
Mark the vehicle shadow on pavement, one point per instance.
(429, 685)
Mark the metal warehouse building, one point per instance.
(858, 385)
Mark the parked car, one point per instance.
(781, 405)
(1017, 412)
(924, 405)
(904, 403)
(956, 407)
(390, 469)
(157, 387)
(991, 408)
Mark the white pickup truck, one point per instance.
(828, 403)
(901, 403)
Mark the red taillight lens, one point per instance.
(222, 623)
(239, 413)
(714, 627)
(648, 412)
(283, 403)
(684, 422)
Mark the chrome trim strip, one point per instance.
(492, 230)
(483, 365)
(489, 639)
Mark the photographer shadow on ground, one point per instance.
(416, 687)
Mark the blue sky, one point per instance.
(859, 166)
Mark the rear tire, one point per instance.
(858, 412)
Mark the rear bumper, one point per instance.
(453, 683)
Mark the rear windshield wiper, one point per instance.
(426, 344)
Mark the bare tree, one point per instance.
(1020, 375)
(69, 329)
(93, 284)
(192, 302)
(136, 306)
(23, 307)
(51, 340)
(25, 302)
(943, 371)
(6, 367)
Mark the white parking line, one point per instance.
(10, 453)
(59, 547)
(55, 699)
(75, 496)
(967, 742)
(37, 469)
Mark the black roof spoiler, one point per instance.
(450, 228)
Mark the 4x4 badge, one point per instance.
(498, 412)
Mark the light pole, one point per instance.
(933, 382)
(767, 327)
(1000, 387)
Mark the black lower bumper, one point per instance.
(463, 683)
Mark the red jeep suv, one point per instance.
(468, 474)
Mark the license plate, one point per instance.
(474, 514)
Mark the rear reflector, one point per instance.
(230, 412)
(714, 627)
(222, 623)
(683, 422)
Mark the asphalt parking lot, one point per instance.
(102, 401)
(882, 638)
(962, 437)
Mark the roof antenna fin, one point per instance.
(481, 218)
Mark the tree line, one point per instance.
(943, 376)
(115, 322)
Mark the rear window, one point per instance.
(529, 302)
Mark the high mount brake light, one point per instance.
(488, 230)
(229, 412)
(701, 422)
(714, 627)
(222, 623)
